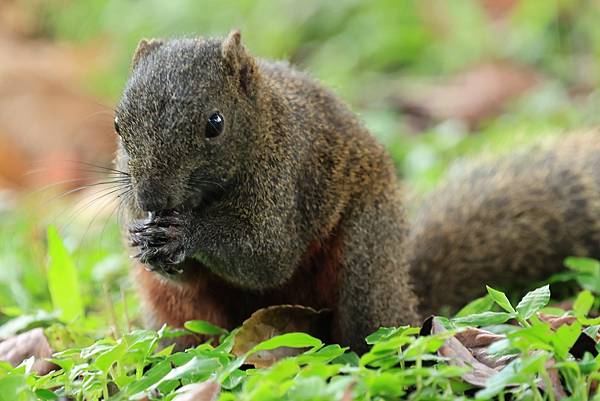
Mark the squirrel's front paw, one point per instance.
(160, 241)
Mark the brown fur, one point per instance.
(227, 306)
(507, 222)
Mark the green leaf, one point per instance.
(14, 388)
(27, 322)
(151, 377)
(500, 380)
(483, 319)
(204, 327)
(385, 333)
(46, 394)
(583, 304)
(564, 338)
(195, 369)
(292, 340)
(533, 301)
(478, 305)
(583, 265)
(63, 283)
(425, 345)
(107, 358)
(500, 298)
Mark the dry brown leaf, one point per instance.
(348, 392)
(498, 9)
(31, 343)
(41, 79)
(557, 386)
(470, 348)
(273, 321)
(471, 96)
(205, 391)
(556, 321)
(460, 355)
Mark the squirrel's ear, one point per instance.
(145, 47)
(239, 61)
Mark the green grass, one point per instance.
(400, 364)
(82, 297)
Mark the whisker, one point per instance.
(97, 113)
(107, 202)
(123, 200)
(117, 208)
(94, 173)
(102, 168)
(86, 186)
(80, 209)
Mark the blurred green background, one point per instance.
(434, 80)
(372, 53)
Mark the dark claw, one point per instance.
(159, 240)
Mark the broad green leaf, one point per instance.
(533, 301)
(500, 298)
(108, 357)
(564, 338)
(537, 336)
(204, 327)
(168, 350)
(44, 394)
(195, 369)
(500, 380)
(425, 345)
(583, 304)
(588, 364)
(385, 333)
(323, 355)
(14, 388)
(292, 340)
(478, 305)
(583, 265)
(63, 282)
(27, 322)
(483, 319)
(151, 377)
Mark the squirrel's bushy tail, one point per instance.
(507, 223)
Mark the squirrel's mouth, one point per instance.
(200, 200)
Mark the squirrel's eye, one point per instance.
(214, 125)
(117, 130)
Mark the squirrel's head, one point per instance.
(187, 119)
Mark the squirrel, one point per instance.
(252, 185)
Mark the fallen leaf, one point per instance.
(469, 348)
(273, 321)
(460, 355)
(39, 78)
(348, 392)
(205, 391)
(556, 321)
(32, 343)
(557, 386)
(470, 97)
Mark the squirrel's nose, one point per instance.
(152, 199)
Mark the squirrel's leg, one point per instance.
(374, 289)
(242, 252)
(251, 255)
